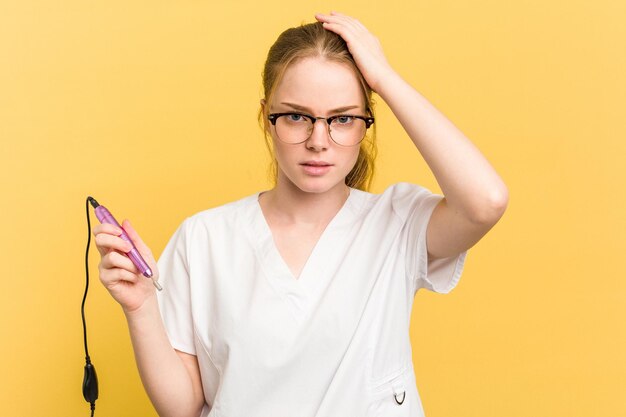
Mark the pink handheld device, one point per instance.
(105, 216)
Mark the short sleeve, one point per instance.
(443, 274)
(175, 300)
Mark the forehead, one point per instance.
(319, 85)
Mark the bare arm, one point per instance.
(171, 378)
(475, 196)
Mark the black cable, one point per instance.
(90, 379)
(82, 307)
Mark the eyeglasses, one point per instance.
(344, 129)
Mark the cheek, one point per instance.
(285, 155)
(281, 151)
(351, 159)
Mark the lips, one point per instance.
(316, 168)
(316, 163)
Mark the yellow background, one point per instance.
(150, 107)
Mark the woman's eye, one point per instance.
(342, 120)
(295, 117)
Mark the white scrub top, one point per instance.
(335, 341)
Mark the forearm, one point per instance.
(470, 184)
(164, 376)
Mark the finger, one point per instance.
(345, 16)
(360, 25)
(353, 21)
(134, 236)
(115, 259)
(346, 20)
(346, 32)
(106, 242)
(106, 228)
(112, 276)
(332, 18)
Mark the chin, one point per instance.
(317, 185)
(312, 183)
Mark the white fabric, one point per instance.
(335, 341)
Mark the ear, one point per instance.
(263, 102)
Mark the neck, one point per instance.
(286, 203)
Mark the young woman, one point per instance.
(296, 301)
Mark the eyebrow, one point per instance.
(302, 108)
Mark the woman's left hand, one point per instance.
(364, 47)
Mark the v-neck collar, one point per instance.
(312, 272)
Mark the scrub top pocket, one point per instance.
(395, 396)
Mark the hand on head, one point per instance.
(362, 44)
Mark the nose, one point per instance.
(320, 136)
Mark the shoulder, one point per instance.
(403, 190)
(222, 216)
(226, 209)
(402, 198)
(207, 227)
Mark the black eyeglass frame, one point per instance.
(273, 117)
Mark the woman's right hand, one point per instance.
(118, 274)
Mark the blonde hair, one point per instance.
(312, 40)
